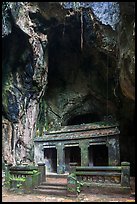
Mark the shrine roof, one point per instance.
(82, 131)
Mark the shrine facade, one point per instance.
(92, 144)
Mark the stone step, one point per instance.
(46, 191)
(58, 187)
(53, 184)
(56, 180)
(54, 175)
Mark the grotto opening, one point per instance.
(67, 66)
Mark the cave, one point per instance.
(81, 83)
(62, 73)
(79, 89)
(78, 74)
(85, 118)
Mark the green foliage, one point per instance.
(22, 179)
(7, 183)
(78, 183)
(22, 182)
(19, 185)
(36, 172)
(73, 176)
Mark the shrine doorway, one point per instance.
(98, 155)
(50, 157)
(72, 155)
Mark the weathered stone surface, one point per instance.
(126, 33)
(6, 24)
(24, 79)
(7, 138)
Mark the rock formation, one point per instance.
(66, 63)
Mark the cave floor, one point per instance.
(82, 197)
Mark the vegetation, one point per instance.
(77, 183)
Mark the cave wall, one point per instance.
(126, 40)
(63, 60)
(23, 82)
(126, 67)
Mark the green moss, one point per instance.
(25, 183)
(42, 124)
(105, 123)
(6, 88)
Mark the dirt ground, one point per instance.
(13, 197)
(8, 196)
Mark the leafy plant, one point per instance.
(78, 183)
(23, 178)
(19, 185)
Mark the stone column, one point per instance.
(72, 183)
(41, 168)
(113, 151)
(60, 158)
(38, 152)
(84, 153)
(7, 175)
(125, 174)
(67, 159)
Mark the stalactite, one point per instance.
(81, 20)
(107, 85)
(64, 28)
(117, 67)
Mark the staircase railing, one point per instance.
(114, 176)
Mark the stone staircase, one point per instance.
(55, 184)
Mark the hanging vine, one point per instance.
(78, 8)
(107, 85)
(118, 65)
(81, 20)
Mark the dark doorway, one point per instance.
(85, 118)
(50, 156)
(72, 155)
(98, 155)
